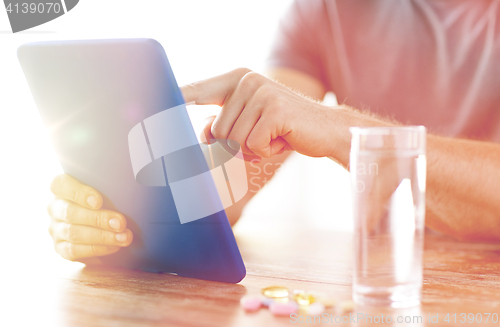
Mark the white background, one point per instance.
(202, 39)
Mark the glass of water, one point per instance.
(388, 171)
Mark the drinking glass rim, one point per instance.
(381, 130)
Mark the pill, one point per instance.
(283, 309)
(275, 291)
(281, 299)
(295, 292)
(304, 298)
(315, 309)
(251, 303)
(266, 302)
(347, 306)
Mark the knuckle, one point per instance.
(218, 131)
(58, 209)
(50, 229)
(251, 80)
(266, 154)
(69, 213)
(56, 183)
(267, 92)
(49, 208)
(59, 250)
(207, 122)
(256, 147)
(66, 250)
(101, 237)
(70, 249)
(279, 104)
(264, 95)
(79, 194)
(242, 71)
(252, 145)
(98, 218)
(70, 232)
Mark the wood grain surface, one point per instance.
(458, 278)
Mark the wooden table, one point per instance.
(458, 278)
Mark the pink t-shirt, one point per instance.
(422, 62)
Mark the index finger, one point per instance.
(213, 90)
(66, 187)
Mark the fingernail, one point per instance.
(233, 145)
(92, 201)
(114, 223)
(121, 237)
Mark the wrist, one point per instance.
(343, 118)
(339, 136)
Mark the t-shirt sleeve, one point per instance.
(296, 43)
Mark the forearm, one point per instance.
(463, 178)
(463, 188)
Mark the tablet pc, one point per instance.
(90, 95)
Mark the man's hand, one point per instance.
(79, 228)
(264, 117)
(463, 179)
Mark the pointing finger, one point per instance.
(213, 90)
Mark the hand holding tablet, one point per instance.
(79, 227)
(90, 95)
